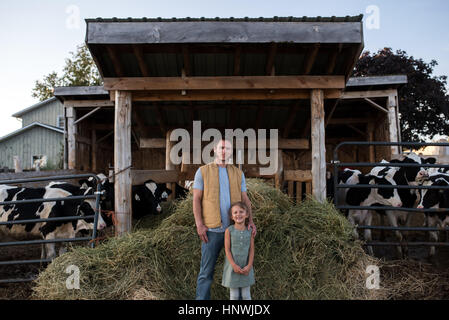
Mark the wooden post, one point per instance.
(122, 162)
(71, 137)
(168, 164)
(370, 136)
(393, 123)
(94, 150)
(318, 145)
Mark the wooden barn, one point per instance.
(39, 141)
(290, 74)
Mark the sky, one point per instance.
(36, 36)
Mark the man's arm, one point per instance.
(201, 229)
(251, 224)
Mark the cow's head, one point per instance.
(87, 208)
(416, 174)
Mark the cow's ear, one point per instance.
(430, 160)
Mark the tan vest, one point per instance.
(211, 192)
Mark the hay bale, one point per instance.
(302, 251)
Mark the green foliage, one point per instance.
(79, 70)
(423, 102)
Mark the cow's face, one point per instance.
(162, 192)
(430, 198)
(416, 174)
(87, 208)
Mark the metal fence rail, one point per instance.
(95, 196)
(337, 164)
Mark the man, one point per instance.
(216, 186)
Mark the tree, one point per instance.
(423, 102)
(79, 70)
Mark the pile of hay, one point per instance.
(302, 251)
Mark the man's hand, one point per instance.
(202, 232)
(252, 226)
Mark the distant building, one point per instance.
(40, 140)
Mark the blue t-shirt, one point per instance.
(225, 195)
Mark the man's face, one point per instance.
(223, 151)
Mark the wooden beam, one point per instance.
(71, 137)
(318, 145)
(153, 143)
(367, 94)
(298, 175)
(375, 105)
(186, 60)
(392, 123)
(331, 61)
(140, 126)
(356, 130)
(88, 103)
(168, 163)
(226, 83)
(93, 151)
(290, 119)
(87, 115)
(138, 177)
(331, 113)
(155, 32)
(122, 162)
(237, 56)
(143, 66)
(115, 61)
(105, 136)
(349, 120)
(287, 144)
(230, 95)
(310, 59)
(160, 120)
(271, 59)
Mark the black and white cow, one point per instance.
(51, 229)
(435, 199)
(146, 198)
(414, 175)
(366, 197)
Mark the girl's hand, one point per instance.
(237, 269)
(246, 270)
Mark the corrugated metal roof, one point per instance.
(33, 107)
(232, 19)
(32, 125)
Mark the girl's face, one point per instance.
(238, 215)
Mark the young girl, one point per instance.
(238, 273)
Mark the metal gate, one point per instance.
(337, 164)
(95, 196)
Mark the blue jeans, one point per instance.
(209, 255)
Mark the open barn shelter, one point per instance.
(289, 74)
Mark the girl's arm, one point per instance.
(228, 252)
(248, 267)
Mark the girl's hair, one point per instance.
(242, 205)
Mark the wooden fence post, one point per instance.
(122, 162)
(318, 145)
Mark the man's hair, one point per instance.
(242, 205)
